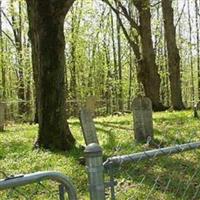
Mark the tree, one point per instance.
(46, 21)
(16, 26)
(119, 55)
(191, 54)
(2, 95)
(76, 13)
(147, 72)
(173, 55)
(198, 43)
(17, 31)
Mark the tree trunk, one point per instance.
(173, 55)
(130, 79)
(149, 70)
(17, 31)
(46, 19)
(191, 56)
(73, 81)
(120, 96)
(35, 57)
(108, 86)
(115, 64)
(3, 75)
(198, 44)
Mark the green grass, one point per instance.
(176, 177)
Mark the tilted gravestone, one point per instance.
(142, 117)
(197, 110)
(88, 127)
(2, 116)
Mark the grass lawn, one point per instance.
(169, 177)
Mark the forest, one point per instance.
(104, 52)
(58, 56)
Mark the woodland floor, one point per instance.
(169, 177)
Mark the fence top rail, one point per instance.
(21, 180)
(118, 160)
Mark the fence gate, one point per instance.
(40, 185)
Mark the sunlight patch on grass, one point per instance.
(116, 137)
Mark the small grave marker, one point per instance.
(142, 117)
(88, 127)
(2, 116)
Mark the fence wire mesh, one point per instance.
(146, 176)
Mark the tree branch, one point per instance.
(179, 18)
(155, 4)
(62, 6)
(128, 17)
(6, 17)
(9, 38)
(133, 44)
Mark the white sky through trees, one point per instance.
(181, 4)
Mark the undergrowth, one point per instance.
(116, 137)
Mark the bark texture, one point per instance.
(173, 55)
(46, 19)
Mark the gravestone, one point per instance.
(2, 116)
(197, 110)
(88, 127)
(142, 117)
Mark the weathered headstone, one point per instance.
(2, 116)
(197, 110)
(88, 127)
(142, 117)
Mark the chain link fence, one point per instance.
(144, 176)
(160, 172)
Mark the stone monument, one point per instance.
(142, 117)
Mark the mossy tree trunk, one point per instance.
(46, 20)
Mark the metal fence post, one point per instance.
(94, 164)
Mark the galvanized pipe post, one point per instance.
(95, 169)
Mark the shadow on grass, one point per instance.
(173, 120)
(9, 147)
(110, 125)
(108, 136)
(19, 128)
(121, 122)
